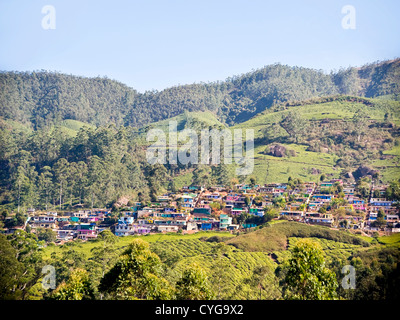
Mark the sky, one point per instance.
(156, 44)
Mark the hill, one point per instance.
(276, 237)
(88, 134)
(194, 120)
(37, 99)
(247, 262)
(335, 135)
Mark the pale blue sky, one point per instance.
(156, 44)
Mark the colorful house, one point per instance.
(323, 197)
(293, 215)
(257, 211)
(206, 226)
(203, 210)
(224, 221)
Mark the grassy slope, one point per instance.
(301, 164)
(275, 237)
(392, 240)
(304, 162)
(205, 117)
(71, 127)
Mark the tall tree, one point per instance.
(136, 275)
(61, 173)
(77, 287)
(307, 278)
(194, 284)
(294, 125)
(360, 122)
(45, 187)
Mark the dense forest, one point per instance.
(50, 169)
(38, 99)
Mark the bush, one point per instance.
(215, 239)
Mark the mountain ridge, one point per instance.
(43, 98)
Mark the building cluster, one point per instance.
(330, 203)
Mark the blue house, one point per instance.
(323, 196)
(202, 210)
(206, 226)
(381, 203)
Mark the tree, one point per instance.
(360, 121)
(157, 176)
(11, 270)
(24, 184)
(380, 219)
(46, 234)
(294, 125)
(194, 284)
(45, 186)
(222, 175)
(215, 206)
(253, 181)
(61, 174)
(363, 187)
(263, 282)
(97, 173)
(64, 263)
(307, 278)
(202, 176)
(279, 202)
(247, 200)
(136, 275)
(172, 186)
(27, 253)
(77, 287)
(393, 190)
(269, 214)
(104, 255)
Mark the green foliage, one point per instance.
(275, 237)
(294, 125)
(94, 168)
(194, 284)
(77, 287)
(11, 271)
(306, 277)
(377, 275)
(393, 191)
(46, 234)
(332, 249)
(42, 98)
(26, 263)
(136, 275)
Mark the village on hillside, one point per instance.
(330, 203)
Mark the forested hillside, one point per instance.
(67, 141)
(41, 98)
